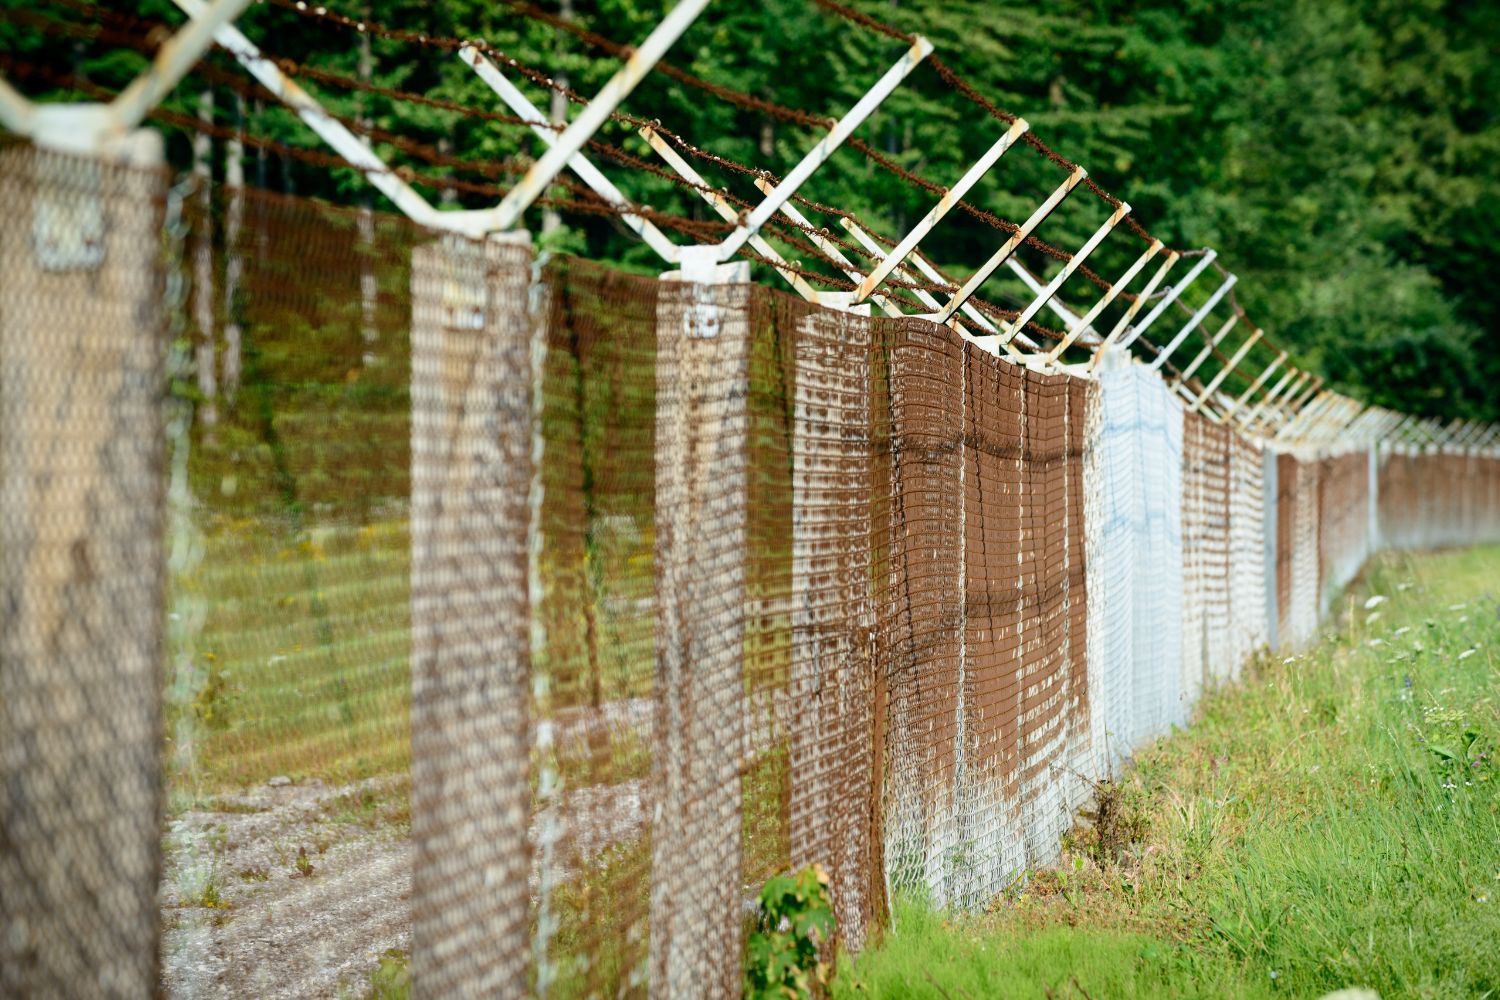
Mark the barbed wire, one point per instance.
(143, 34)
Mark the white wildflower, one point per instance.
(1374, 602)
(1467, 653)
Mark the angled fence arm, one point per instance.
(1395, 435)
(1477, 430)
(1192, 323)
(726, 211)
(925, 268)
(16, 112)
(1140, 301)
(578, 163)
(1271, 413)
(1087, 320)
(172, 61)
(1035, 285)
(1388, 420)
(944, 205)
(1073, 264)
(887, 305)
(1208, 349)
(1171, 296)
(333, 132)
(84, 128)
(1297, 402)
(1229, 366)
(1259, 381)
(545, 170)
(1248, 422)
(1301, 420)
(1009, 247)
(920, 49)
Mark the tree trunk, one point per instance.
(557, 113)
(234, 180)
(203, 267)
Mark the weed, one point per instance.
(794, 924)
(1118, 822)
(254, 873)
(304, 867)
(208, 897)
(391, 980)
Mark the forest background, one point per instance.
(1343, 156)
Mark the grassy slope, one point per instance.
(1309, 833)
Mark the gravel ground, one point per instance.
(289, 891)
(298, 889)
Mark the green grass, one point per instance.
(299, 661)
(1330, 823)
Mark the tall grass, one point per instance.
(1332, 822)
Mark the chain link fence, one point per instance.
(381, 604)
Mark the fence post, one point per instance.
(832, 666)
(82, 515)
(1271, 500)
(470, 627)
(702, 384)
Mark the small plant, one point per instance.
(208, 897)
(391, 980)
(794, 923)
(303, 865)
(1118, 822)
(254, 873)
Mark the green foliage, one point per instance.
(1340, 154)
(794, 924)
(391, 980)
(1333, 823)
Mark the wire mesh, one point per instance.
(1206, 539)
(1412, 514)
(523, 619)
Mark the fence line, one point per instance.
(525, 616)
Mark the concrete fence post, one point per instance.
(470, 624)
(82, 571)
(702, 385)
